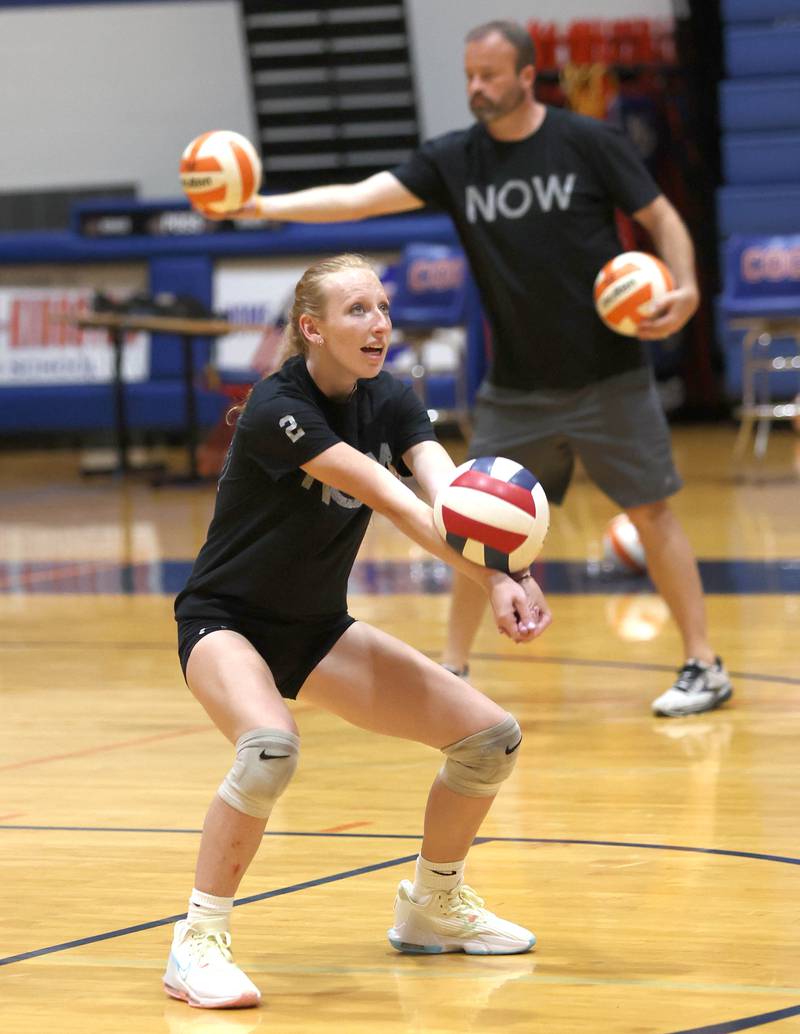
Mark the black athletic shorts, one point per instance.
(617, 427)
(291, 649)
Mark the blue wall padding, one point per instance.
(758, 210)
(759, 10)
(150, 405)
(760, 105)
(759, 50)
(751, 158)
(179, 275)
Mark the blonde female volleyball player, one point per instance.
(264, 616)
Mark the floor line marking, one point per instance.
(724, 852)
(746, 1023)
(70, 570)
(344, 826)
(581, 662)
(153, 923)
(119, 745)
(565, 577)
(727, 1027)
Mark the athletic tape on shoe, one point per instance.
(477, 765)
(265, 762)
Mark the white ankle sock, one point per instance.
(209, 912)
(435, 876)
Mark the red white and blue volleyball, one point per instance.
(494, 512)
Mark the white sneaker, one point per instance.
(201, 970)
(698, 687)
(453, 921)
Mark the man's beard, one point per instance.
(488, 111)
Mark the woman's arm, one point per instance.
(432, 467)
(347, 469)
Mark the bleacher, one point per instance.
(758, 206)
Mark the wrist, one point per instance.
(261, 206)
(521, 576)
(691, 289)
(492, 577)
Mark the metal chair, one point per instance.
(762, 298)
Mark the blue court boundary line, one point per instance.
(165, 576)
(139, 927)
(746, 1023)
(724, 852)
(579, 662)
(586, 662)
(726, 1027)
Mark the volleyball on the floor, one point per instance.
(220, 171)
(626, 289)
(636, 618)
(494, 512)
(622, 547)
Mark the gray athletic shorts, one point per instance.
(616, 426)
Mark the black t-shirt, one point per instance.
(536, 218)
(281, 543)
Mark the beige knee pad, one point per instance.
(265, 762)
(477, 765)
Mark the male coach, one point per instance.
(532, 191)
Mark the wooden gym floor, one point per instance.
(657, 860)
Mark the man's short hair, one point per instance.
(516, 34)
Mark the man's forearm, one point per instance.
(671, 240)
(329, 204)
(379, 194)
(674, 244)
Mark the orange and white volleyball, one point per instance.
(220, 171)
(637, 618)
(622, 548)
(626, 289)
